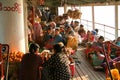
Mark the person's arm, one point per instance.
(50, 61)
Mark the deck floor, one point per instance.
(84, 70)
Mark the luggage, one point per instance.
(96, 61)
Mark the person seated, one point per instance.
(57, 65)
(57, 36)
(118, 41)
(69, 31)
(115, 47)
(98, 46)
(89, 37)
(81, 30)
(88, 49)
(29, 67)
(56, 39)
(94, 52)
(99, 42)
(75, 26)
(47, 36)
(96, 35)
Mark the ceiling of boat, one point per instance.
(56, 3)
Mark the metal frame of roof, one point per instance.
(56, 3)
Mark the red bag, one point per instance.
(72, 69)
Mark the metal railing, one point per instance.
(103, 29)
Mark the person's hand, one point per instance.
(40, 68)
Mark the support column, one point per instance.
(93, 19)
(12, 31)
(116, 20)
(65, 8)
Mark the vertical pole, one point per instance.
(93, 19)
(116, 20)
(65, 8)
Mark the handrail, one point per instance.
(88, 21)
(98, 23)
(107, 32)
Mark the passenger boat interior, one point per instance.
(89, 30)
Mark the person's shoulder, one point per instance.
(38, 56)
(25, 54)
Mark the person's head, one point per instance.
(57, 31)
(57, 48)
(96, 30)
(81, 26)
(62, 27)
(34, 48)
(76, 23)
(118, 39)
(68, 29)
(52, 24)
(101, 39)
(88, 32)
(49, 30)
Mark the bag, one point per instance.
(96, 61)
(72, 69)
(72, 43)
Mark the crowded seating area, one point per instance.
(50, 45)
(73, 35)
